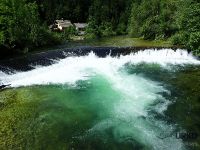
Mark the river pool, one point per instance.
(137, 101)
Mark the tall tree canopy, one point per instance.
(161, 19)
(24, 23)
(19, 23)
(74, 10)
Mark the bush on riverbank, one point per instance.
(189, 26)
(24, 23)
(21, 29)
(97, 31)
(167, 19)
(108, 18)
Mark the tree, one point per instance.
(19, 23)
(108, 17)
(188, 33)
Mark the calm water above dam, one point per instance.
(132, 102)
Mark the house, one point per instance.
(60, 25)
(80, 28)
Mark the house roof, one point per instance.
(81, 25)
(64, 23)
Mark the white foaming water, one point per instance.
(129, 116)
(2, 74)
(130, 119)
(72, 69)
(165, 56)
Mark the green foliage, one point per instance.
(46, 37)
(20, 26)
(153, 19)
(19, 23)
(121, 29)
(92, 30)
(179, 38)
(2, 38)
(68, 32)
(150, 30)
(189, 26)
(106, 29)
(194, 42)
(110, 20)
(162, 19)
(23, 23)
(74, 10)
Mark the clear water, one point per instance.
(87, 102)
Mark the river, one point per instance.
(138, 100)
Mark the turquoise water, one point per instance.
(137, 101)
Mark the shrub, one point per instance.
(121, 29)
(106, 29)
(68, 32)
(179, 39)
(92, 31)
(194, 42)
(150, 29)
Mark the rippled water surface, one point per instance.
(137, 101)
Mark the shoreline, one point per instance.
(113, 41)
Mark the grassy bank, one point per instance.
(120, 41)
(115, 41)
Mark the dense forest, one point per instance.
(24, 23)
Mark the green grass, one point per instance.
(115, 41)
(120, 41)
